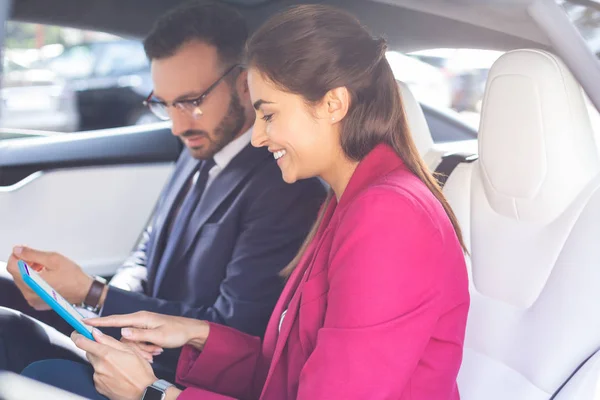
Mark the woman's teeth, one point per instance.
(279, 154)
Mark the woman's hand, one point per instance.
(120, 373)
(146, 350)
(160, 330)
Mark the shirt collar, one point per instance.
(228, 153)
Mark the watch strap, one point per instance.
(162, 385)
(94, 294)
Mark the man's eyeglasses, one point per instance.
(191, 106)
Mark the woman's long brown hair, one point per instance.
(309, 50)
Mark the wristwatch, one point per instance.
(156, 391)
(92, 300)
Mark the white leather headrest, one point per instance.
(416, 120)
(536, 146)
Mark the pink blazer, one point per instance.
(376, 309)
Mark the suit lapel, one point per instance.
(225, 183)
(182, 175)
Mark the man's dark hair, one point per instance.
(213, 23)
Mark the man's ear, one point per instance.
(242, 83)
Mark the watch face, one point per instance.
(153, 394)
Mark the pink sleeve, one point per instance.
(225, 366)
(386, 294)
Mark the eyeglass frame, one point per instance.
(196, 102)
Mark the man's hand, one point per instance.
(66, 277)
(163, 331)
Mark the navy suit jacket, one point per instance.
(224, 268)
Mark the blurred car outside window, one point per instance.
(60, 79)
(449, 79)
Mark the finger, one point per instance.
(32, 256)
(146, 356)
(32, 265)
(34, 302)
(142, 335)
(36, 267)
(11, 265)
(148, 348)
(136, 347)
(138, 320)
(94, 348)
(38, 304)
(92, 359)
(28, 294)
(108, 340)
(22, 286)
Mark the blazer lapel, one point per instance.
(286, 302)
(275, 338)
(294, 291)
(182, 175)
(225, 183)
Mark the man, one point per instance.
(225, 225)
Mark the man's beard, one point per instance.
(227, 130)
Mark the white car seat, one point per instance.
(530, 213)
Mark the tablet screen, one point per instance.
(59, 299)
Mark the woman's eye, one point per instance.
(267, 118)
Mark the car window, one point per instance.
(586, 19)
(59, 79)
(122, 57)
(9, 66)
(451, 81)
(74, 62)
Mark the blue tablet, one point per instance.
(54, 300)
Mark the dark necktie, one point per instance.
(182, 216)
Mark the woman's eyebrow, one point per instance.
(260, 102)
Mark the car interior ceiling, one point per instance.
(404, 27)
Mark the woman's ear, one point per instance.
(336, 104)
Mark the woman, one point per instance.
(376, 302)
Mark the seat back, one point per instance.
(530, 213)
(418, 128)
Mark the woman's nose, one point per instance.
(259, 137)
